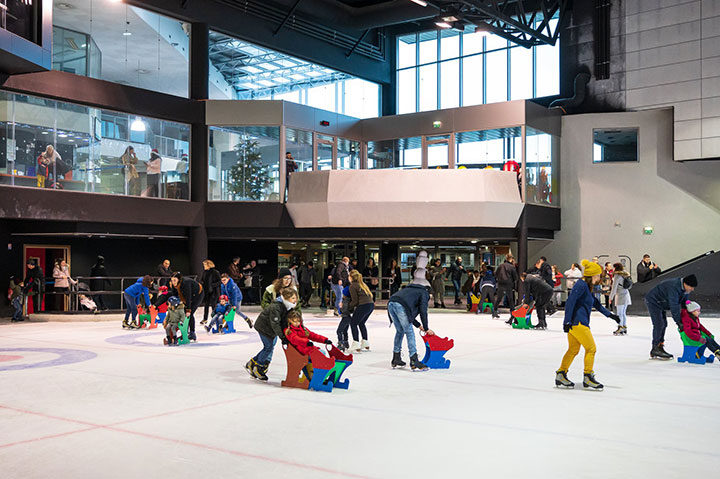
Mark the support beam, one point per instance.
(287, 17)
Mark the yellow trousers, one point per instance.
(579, 336)
(41, 181)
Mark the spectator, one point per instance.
(371, 275)
(437, 273)
(325, 287)
(290, 167)
(507, 278)
(606, 280)
(647, 270)
(34, 285)
(132, 179)
(572, 275)
(457, 270)
(252, 281)
(98, 282)
(234, 270)
(211, 286)
(557, 286)
(15, 298)
(63, 281)
(49, 163)
(353, 265)
(153, 170)
(395, 274)
(164, 272)
(307, 277)
(294, 273)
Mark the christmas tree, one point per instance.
(248, 178)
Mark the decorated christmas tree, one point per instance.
(248, 178)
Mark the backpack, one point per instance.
(627, 282)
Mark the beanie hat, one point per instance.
(155, 150)
(692, 306)
(590, 268)
(284, 272)
(691, 280)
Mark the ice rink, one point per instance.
(91, 400)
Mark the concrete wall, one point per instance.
(605, 206)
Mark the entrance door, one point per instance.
(439, 151)
(326, 152)
(45, 257)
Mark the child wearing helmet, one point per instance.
(217, 318)
(175, 314)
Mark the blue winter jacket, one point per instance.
(669, 294)
(580, 304)
(137, 290)
(232, 291)
(222, 309)
(488, 280)
(414, 298)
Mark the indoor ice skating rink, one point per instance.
(91, 400)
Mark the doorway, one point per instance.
(45, 257)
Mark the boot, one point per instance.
(341, 345)
(397, 361)
(658, 352)
(259, 371)
(134, 325)
(436, 305)
(624, 330)
(191, 336)
(442, 305)
(618, 331)
(561, 380)
(126, 325)
(510, 321)
(249, 321)
(364, 345)
(250, 367)
(541, 326)
(355, 347)
(589, 381)
(416, 364)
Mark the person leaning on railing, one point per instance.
(98, 274)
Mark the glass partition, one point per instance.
(244, 163)
(120, 43)
(52, 144)
(499, 148)
(542, 176)
(438, 150)
(325, 145)
(405, 153)
(299, 143)
(348, 154)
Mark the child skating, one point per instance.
(175, 315)
(694, 330)
(270, 325)
(580, 304)
(217, 320)
(302, 338)
(345, 318)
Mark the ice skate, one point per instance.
(416, 364)
(126, 325)
(355, 347)
(541, 327)
(562, 381)
(165, 341)
(589, 381)
(250, 368)
(658, 352)
(134, 325)
(364, 345)
(259, 372)
(192, 336)
(397, 361)
(249, 322)
(619, 331)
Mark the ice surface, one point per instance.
(139, 409)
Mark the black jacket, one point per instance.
(35, 279)
(536, 287)
(398, 275)
(546, 274)
(306, 275)
(456, 271)
(254, 273)
(645, 274)
(98, 269)
(272, 320)
(211, 282)
(188, 292)
(163, 272)
(414, 298)
(506, 274)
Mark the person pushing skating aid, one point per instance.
(671, 294)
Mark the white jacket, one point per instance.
(571, 277)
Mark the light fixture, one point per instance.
(483, 29)
(137, 124)
(440, 23)
(422, 3)
(127, 34)
(473, 241)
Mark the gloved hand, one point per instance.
(310, 344)
(328, 341)
(566, 327)
(614, 317)
(702, 339)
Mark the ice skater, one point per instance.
(580, 304)
(218, 317)
(301, 338)
(345, 318)
(671, 294)
(620, 296)
(362, 306)
(175, 315)
(537, 294)
(270, 325)
(133, 294)
(229, 288)
(694, 330)
(403, 307)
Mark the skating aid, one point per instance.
(435, 349)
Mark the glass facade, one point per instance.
(348, 154)
(299, 143)
(245, 71)
(405, 153)
(447, 68)
(123, 44)
(542, 175)
(489, 148)
(51, 144)
(244, 163)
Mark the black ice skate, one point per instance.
(259, 371)
(397, 361)
(589, 381)
(658, 352)
(562, 381)
(250, 367)
(416, 364)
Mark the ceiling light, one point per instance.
(442, 23)
(474, 242)
(137, 124)
(450, 18)
(422, 3)
(483, 29)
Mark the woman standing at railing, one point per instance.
(61, 273)
(395, 274)
(371, 274)
(132, 179)
(97, 283)
(154, 169)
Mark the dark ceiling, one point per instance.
(363, 3)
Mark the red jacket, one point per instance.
(692, 327)
(299, 337)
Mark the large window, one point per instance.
(120, 43)
(541, 150)
(244, 163)
(489, 148)
(405, 153)
(242, 70)
(448, 68)
(51, 144)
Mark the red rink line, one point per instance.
(167, 439)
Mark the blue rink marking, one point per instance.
(132, 340)
(65, 356)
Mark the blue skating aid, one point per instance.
(693, 351)
(435, 349)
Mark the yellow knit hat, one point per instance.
(590, 268)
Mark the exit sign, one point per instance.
(648, 230)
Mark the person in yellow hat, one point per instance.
(579, 305)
